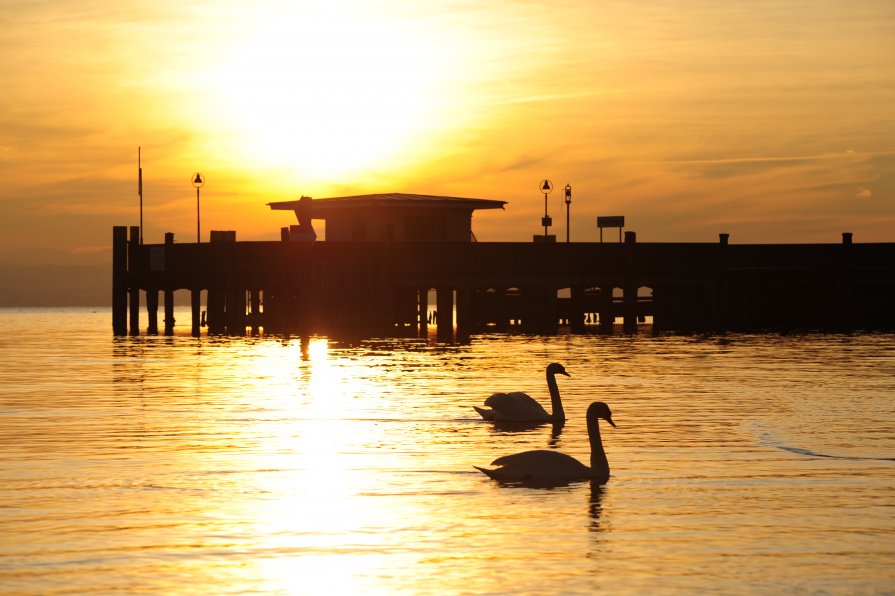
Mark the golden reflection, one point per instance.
(317, 350)
(317, 520)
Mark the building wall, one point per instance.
(429, 224)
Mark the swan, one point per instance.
(553, 468)
(520, 407)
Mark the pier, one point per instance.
(383, 286)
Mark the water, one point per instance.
(175, 465)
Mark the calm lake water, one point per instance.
(272, 465)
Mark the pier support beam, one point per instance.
(152, 311)
(215, 305)
(723, 299)
(422, 312)
(169, 292)
(236, 309)
(255, 310)
(629, 291)
(196, 307)
(119, 280)
(843, 319)
(169, 311)
(444, 304)
(133, 286)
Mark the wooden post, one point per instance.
(133, 285)
(216, 298)
(119, 280)
(236, 308)
(215, 305)
(152, 310)
(845, 320)
(196, 307)
(629, 297)
(169, 291)
(255, 308)
(444, 304)
(723, 299)
(422, 310)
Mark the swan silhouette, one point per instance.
(520, 407)
(543, 467)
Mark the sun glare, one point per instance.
(326, 90)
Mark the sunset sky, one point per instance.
(773, 121)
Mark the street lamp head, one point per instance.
(568, 190)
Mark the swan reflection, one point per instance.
(511, 428)
(595, 507)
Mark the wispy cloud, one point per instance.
(779, 158)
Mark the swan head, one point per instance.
(557, 369)
(599, 410)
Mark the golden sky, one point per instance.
(773, 121)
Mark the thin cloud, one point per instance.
(777, 158)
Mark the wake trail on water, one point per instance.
(767, 438)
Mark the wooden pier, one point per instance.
(383, 287)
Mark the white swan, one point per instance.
(520, 407)
(553, 468)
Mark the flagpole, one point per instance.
(140, 190)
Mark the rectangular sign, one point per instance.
(611, 221)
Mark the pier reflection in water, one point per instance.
(276, 465)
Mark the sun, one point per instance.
(326, 90)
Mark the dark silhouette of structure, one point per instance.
(380, 282)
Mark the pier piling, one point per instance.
(119, 280)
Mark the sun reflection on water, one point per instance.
(319, 534)
(304, 465)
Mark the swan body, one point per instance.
(521, 407)
(551, 467)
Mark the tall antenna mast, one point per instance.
(140, 191)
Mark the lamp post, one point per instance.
(198, 182)
(546, 221)
(568, 190)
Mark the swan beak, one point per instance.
(609, 420)
(563, 372)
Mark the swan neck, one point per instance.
(557, 413)
(598, 462)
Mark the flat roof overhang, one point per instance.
(321, 207)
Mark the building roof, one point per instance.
(320, 207)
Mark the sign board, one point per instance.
(611, 221)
